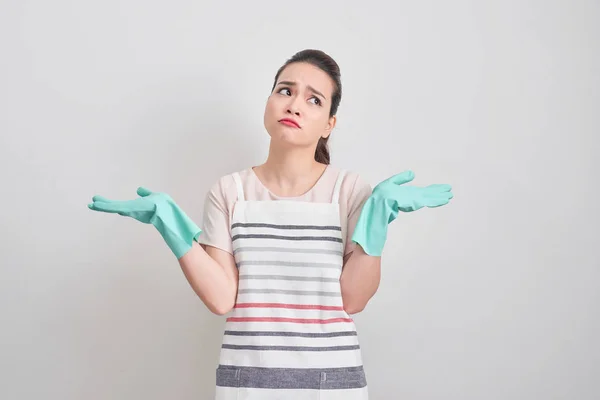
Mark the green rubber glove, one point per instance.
(388, 198)
(158, 209)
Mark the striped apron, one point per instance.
(288, 336)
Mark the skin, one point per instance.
(303, 94)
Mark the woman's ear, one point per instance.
(330, 125)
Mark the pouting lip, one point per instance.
(290, 120)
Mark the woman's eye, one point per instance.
(316, 101)
(285, 91)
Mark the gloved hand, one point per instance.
(388, 198)
(158, 209)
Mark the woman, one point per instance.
(289, 249)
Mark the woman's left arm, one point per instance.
(362, 269)
(359, 280)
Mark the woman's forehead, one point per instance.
(307, 75)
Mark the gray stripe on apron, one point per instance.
(291, 378)
(292, 334)
(296, 292)
(289, 348)
(275, 226)
(290, 264)
(279, 237)
(287, 250)
(289, 278)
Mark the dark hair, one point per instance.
(327, 64)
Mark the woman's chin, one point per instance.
(286, 135)
(288, 140)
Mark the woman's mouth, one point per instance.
(289, 122)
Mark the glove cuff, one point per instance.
(177, 229)
(371, 228)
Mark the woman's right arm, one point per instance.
(213, 275)
(210, 270)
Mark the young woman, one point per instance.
(289, 249)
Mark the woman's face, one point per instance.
(297, 111)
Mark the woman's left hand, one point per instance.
(411, 198)
(388, 198)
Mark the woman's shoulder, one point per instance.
(352, 180)
(228, 180)
(354, 191)
(225, 189)
(352, 187)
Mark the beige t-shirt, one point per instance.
(221, 199)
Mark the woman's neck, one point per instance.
(290, 173)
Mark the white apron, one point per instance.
(288, 336)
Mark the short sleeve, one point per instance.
(360, 192)
(216, 220)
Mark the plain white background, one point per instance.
(495, 296)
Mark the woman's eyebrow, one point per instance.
(312, 89)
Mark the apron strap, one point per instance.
(240, 188)
(338, 185)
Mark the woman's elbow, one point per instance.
(356, 301)
(354, 308)
(353, 304)
(220, 310)
(221, 303)
(221, 307)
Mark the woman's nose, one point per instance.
(293, 107)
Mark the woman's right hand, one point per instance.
(158, 209)
(211, 272)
